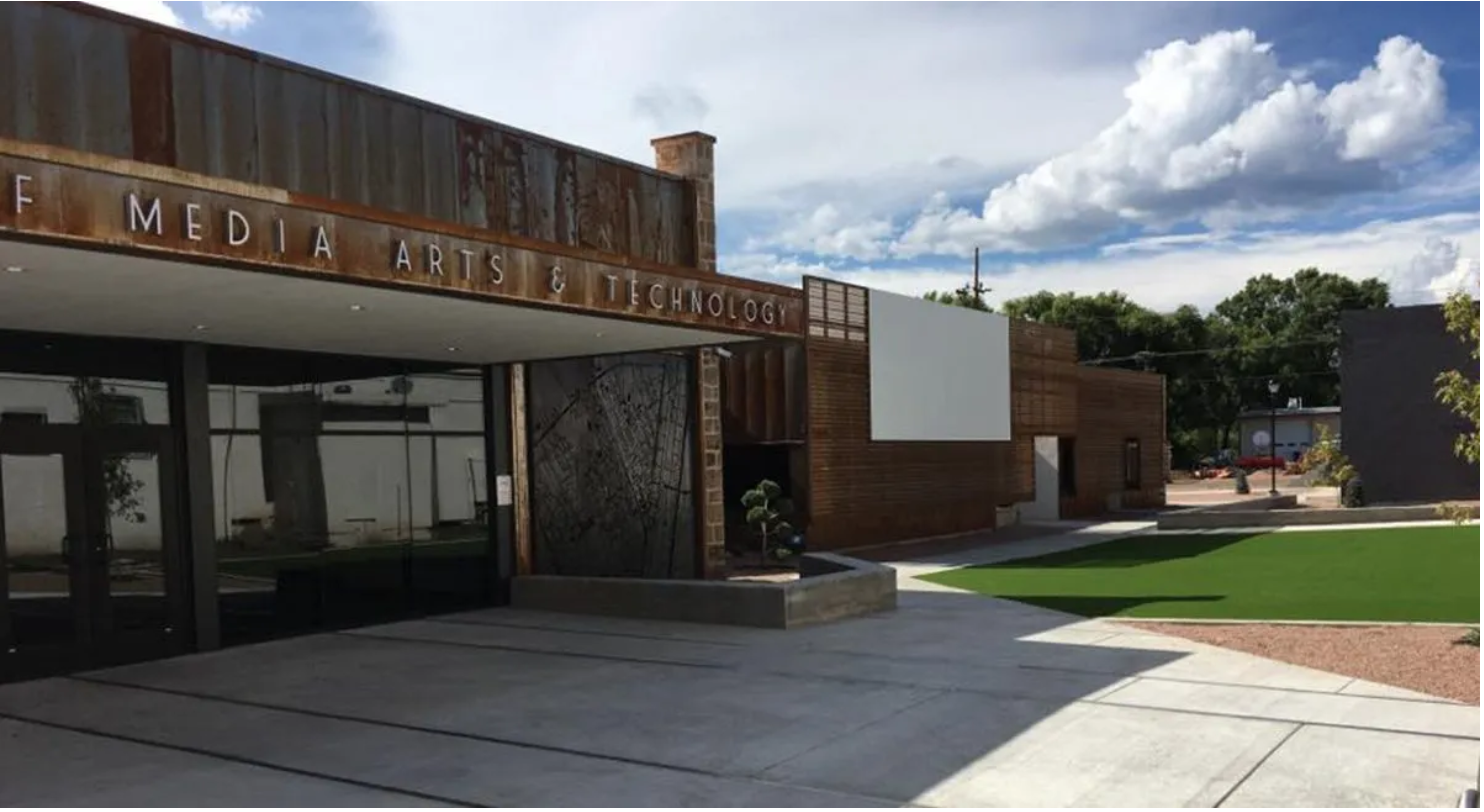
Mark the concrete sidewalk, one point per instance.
(953, 700)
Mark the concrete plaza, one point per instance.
(953, 700)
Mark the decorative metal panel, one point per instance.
(611, 444)
(836, 310)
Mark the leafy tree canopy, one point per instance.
(1216, 364)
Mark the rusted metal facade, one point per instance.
(164, 97)
(71, 197)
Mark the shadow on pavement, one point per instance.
(507, 708)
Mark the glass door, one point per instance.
(43, 526)
(89, 532)
(134, 567)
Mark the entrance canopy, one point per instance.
(47, 288)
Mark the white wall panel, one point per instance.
(937, 372)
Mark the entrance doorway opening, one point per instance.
(90, 541)
(1046, 507)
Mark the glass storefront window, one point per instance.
(349, 490)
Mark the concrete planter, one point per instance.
(830, 587)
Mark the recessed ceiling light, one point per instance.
(453, 349)
(357, 308)
(201, 328)
(14, 269)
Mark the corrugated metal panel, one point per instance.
(86, 80)
(212, 137)
(51, 94)
(440, 171)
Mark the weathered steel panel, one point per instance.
(440, 173)
(670, 202)
(151, 96)
(632, 214)
(293, 145)
(646, 210)
(539, 166)
(213, 137)
(85, 79)
(512, 174)
(587, 204)
(67, 80)
(565, 197)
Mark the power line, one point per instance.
(1281, 376)
(1273, 345)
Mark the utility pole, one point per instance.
(978, 291)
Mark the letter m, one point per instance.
(141, 220)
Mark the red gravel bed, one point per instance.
(1419, 658)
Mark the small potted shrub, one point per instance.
(768, 514)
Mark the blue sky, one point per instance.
(1168, 150)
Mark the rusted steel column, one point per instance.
(692, 156)
(520, 468)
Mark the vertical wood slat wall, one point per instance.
(1113, 407)
(763, 393)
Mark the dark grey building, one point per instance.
(1397, 434)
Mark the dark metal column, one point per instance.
(199, 519)
(499, 465)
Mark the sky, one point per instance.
(1167, 150)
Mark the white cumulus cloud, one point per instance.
(1216, 131)
(155, 11)
(828, 232)
(1441, 268)
(1423, 259)
(811, 103)
(230, 17)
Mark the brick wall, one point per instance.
(693, 156)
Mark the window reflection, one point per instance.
(349, 490)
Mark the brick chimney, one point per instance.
(692, 156)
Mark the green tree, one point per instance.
(123, 489)
(1109, 326)
(969, 296)
(1456, 389)
(1113, 330)
(1289, 330)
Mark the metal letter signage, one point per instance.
(19, 184)
(71, 201)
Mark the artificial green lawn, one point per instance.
(1392, 574)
